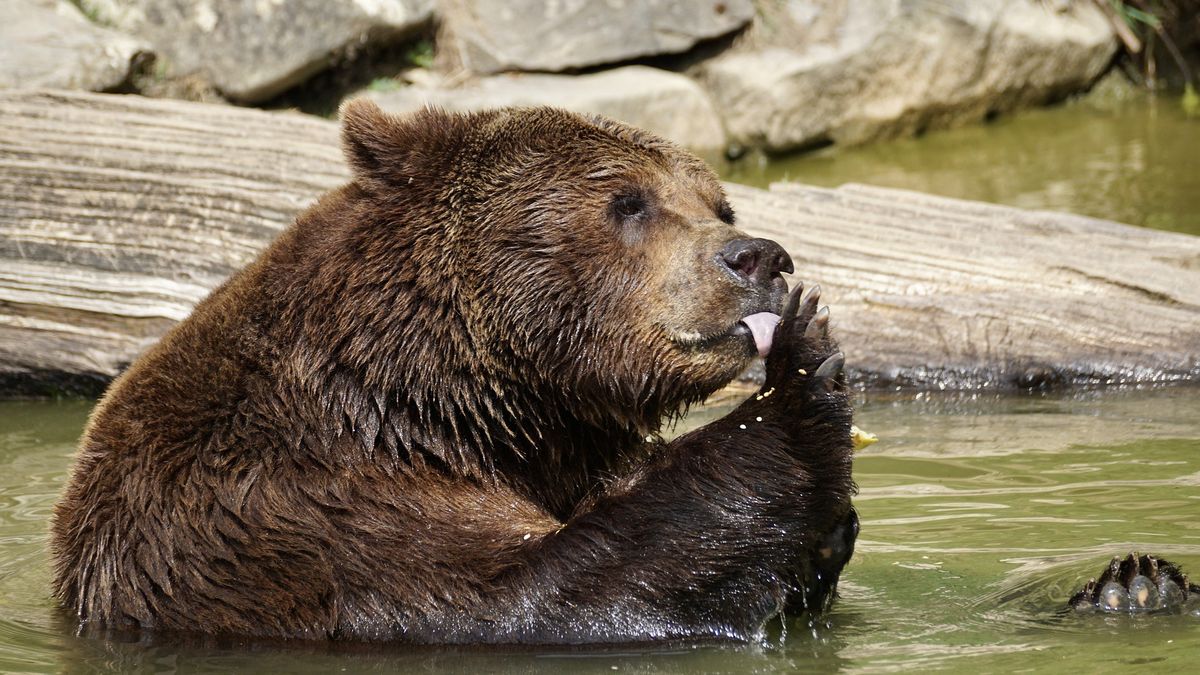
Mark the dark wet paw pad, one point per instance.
(1137, 583)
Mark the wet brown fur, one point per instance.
(422, 414)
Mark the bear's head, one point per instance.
(566, 255)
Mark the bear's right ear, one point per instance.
(386, 151)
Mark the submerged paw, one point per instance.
(1136, 583)
(825, 567)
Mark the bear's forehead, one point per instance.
(606, 154)
(605, 138)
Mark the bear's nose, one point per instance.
(756, 260)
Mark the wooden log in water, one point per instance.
(118, 213)
(935, 292)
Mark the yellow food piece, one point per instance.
(861, 438)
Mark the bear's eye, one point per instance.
(725, 212)
(628, 207)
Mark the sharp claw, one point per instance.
(793, 301)
(809, 305)
(816, 327)
(831, 366)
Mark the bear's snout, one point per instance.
(756, 262)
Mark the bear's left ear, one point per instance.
(369, 138)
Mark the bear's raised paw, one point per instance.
(804, 356)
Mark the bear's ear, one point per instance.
(370, 138)
(387, 151)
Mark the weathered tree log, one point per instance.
(936, 292)
(118, 213)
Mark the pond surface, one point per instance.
(980, 516)
(1116, 154)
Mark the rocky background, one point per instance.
(715, 75)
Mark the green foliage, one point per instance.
(162, 69)
(421, 54)
(91, 12)
(384, 84)
(1133, 16)
(1152, 27)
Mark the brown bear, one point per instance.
(429, 412)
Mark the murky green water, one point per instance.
(1115, 154)
(980, 516)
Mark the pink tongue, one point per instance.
(762, 327)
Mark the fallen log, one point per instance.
(118, 213)
(934, 292)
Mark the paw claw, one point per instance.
(809, 305)
(802, 336)
(818, 326)
(832, 366)
(793, 302)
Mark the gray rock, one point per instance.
(253, 50)
(851, 72)
(553, 36)
(49, 43)
(665, 103)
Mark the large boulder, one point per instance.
(106, 240)
(49, 43)
(535, 35)
(666, 103)
(251, 51)
(850, 72)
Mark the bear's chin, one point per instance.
(714, 365)
(733, 341)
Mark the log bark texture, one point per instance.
(944, 293)
(118, 213)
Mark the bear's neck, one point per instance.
(466, 428)
(422, 414)
(506, 432)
